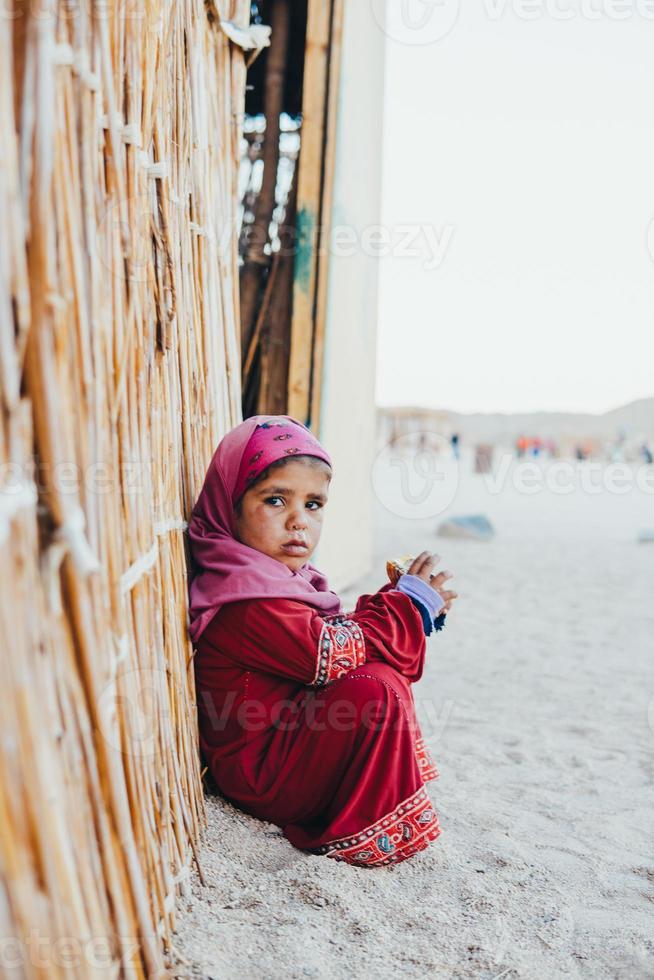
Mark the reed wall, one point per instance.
(119, 372)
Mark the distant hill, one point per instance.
(636, 419)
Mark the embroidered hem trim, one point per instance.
(341, 648)
(426, 764)
(397, 836)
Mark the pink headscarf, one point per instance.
(226, 570)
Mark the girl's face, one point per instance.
(283, 509)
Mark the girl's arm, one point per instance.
(291, 639)
(427, 601)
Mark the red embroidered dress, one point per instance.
(308, 721)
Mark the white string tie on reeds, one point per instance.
(64, 55)
(254, 37)
(71, 533)
(122, 651)
(12, 502)
(138, 568)
(158, 170)
(128, 132)
(202, 231)
(147, 561)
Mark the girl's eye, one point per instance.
(317, 503)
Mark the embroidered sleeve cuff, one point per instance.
(341, 648)
(417, 588)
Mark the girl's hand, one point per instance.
(422, 567)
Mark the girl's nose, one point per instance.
(297, 520)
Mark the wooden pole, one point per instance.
(256, 260)
(317, 360)
(319, 103)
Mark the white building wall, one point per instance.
(347, 422)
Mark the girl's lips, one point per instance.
(294, 548)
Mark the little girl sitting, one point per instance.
(306, 713)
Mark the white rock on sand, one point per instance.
(537, 705)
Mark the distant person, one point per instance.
(483, 458)
(646, 453)
(454, 443)
(522, 445)
(616, 454)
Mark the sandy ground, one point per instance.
(537, 703)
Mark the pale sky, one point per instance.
(533, 143)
